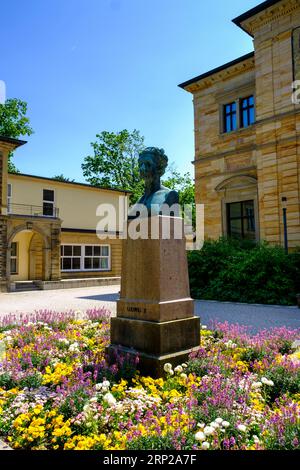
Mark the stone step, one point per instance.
(22, 286)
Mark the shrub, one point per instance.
(227, 270)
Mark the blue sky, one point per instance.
(85, 66)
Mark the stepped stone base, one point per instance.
(156, 338)
(149, 364)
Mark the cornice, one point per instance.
(226, 74)
(274, 13)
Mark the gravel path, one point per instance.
(257, 317)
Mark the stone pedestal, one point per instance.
(155, 317)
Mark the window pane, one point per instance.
(14, 249)
(48, 208)
(96, 263)
(228, 124)
(236, 228)
(104, 251)
(66, 263)
(67, 250)
(234, 122)
(104, 263)
(88, 251)
(252, 115)
(233, 107)
(245, 122)
(88, 263)
(76, 263)
(76, 250)
(248, 208)
(235, 209)
(96, 250)
(251, 100)
(13, 266)
(48, 195)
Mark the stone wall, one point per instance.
(269, 150)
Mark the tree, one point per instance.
(115, 162)
(63, 179)
(185, 187)
(14, 123)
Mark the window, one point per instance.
(48, 202)
(85, 257)
(241, 220)
(230, 117)
(9, 196)
(14, 258)
(70, 257)
(247, 111)
(239, 114)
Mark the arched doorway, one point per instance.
(27, 255)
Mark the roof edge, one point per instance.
(216, 70)
(252, 12)
(71, 182)
(10, 140)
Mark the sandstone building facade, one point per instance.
(247, 132)
(48, 230)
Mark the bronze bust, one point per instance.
(156, 198)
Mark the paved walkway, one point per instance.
(255, 316)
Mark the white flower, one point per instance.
(205, 445)
(200, 436)
(201, 425)
(167, 367)
(242, 428)
(203, 327)
(171, 372)
(184, 365)
(93, 400)
(208, 430)
(266, 381)
(219, 420)
(255, 438)
(225, 424)
(178, 369)
(109, 399)
(215, 425)
(256, 385)
(104, 387)
(183, 375)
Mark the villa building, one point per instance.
(48, 230)
(247, 132)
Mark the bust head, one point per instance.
(152, 162)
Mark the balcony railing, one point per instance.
(33, 211)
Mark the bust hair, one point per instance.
(159, 156)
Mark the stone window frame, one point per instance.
(236, 95)
(82, 257)
(230, 193)
(229, 200)
(241, 217)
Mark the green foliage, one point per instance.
(63, 179)
(6, 381)
(185, 187)
(115, 162)
(226, 270)
(14, 123)
(151, 443)
(286, 381)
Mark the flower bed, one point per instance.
(58, 392)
